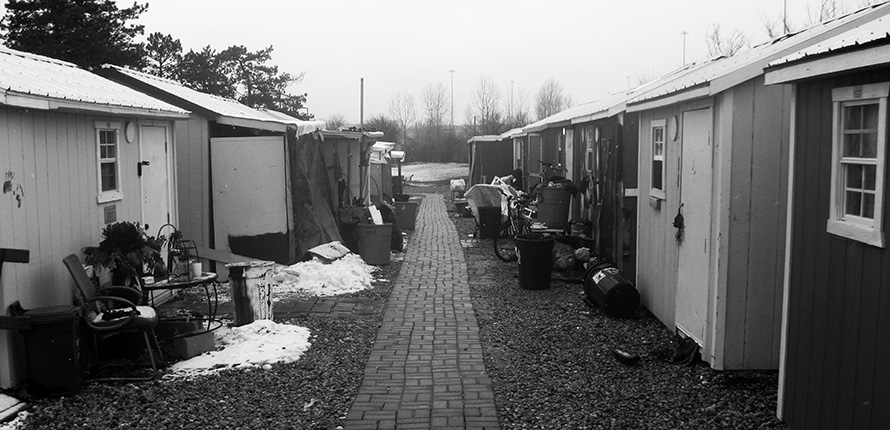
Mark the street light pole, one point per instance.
(511, 101)
(684, 33)
(452, 99)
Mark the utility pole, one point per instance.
(452, 99)
(684, 33)
(511, 102)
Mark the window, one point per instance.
(590, 139)
(657, 170)
(107, 138)
(858, 159)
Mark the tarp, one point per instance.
(314, 220)
(483, 195)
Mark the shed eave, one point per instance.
(826, 65)
(252, 123)
(684, 96)
(28, 101)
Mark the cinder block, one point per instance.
(190, 346)
(171, 328)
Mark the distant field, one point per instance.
(434, 172)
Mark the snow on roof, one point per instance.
(726, 72)
(485, 138)
(38, 82)
(227, 109)
(871, 32)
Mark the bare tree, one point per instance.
(551, 99)
(725, 45)
(435, 104)
(647, 76)
(485, 105)
(828, 9)
(402, 111)
(335, 121)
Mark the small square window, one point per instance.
(858, 160)
(107, 138)
(657, 168)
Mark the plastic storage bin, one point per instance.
(52, 350)
(553, 209)
(374, 243)
(406, 214)
(535, 260)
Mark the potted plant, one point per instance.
(126, 251)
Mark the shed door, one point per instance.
(155, 178)
(695, 195)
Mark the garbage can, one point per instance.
(251, 284)
(374, 243)
(534, 252)
(553, 209)
(489, 221)
(51, 346)
(607, 288)
(406, 214)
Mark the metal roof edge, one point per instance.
(685, 96)
(828, 64)
(31, 101)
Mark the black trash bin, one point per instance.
(608, 289)
(52, 351)
(489, 221)
(535, 260)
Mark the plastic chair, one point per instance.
(112, 310)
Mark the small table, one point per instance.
(206, 280)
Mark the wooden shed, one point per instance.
(70, 149)
(713, 149)
(836, 319)
(347, 158)
(226, 205)
(489, 156)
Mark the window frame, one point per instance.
(861, 229)
(658, 193)
(105, 196)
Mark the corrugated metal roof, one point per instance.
(877, 31)
(753, 60)
(221, 106)
(603, 107)
(52, 84)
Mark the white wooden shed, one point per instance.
(713, 149)
(77, 152)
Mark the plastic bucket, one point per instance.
(251, 284)
(608, 289)
(51, 345)
(406, 214)
(535, 260)
(374, 242)
(489, 221)
(553, 209)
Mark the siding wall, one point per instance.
(48, 162)
(193, 179)
(838, 340)
(756, 225)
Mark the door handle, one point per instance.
(139, 165)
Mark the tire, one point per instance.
(504, 244)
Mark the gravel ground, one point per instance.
(311, 393)
(550, 358)
(548, 354)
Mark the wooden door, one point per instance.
(696, 178)
(155, 178)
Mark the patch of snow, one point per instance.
(16, 423)
(258, 344)
(316, 278)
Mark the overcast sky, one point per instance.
(591, 47)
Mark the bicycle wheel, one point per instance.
(504, 244)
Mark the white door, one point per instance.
(156, 178)
(696, 179)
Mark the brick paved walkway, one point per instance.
(426, 369)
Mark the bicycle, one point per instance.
(519, 221)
